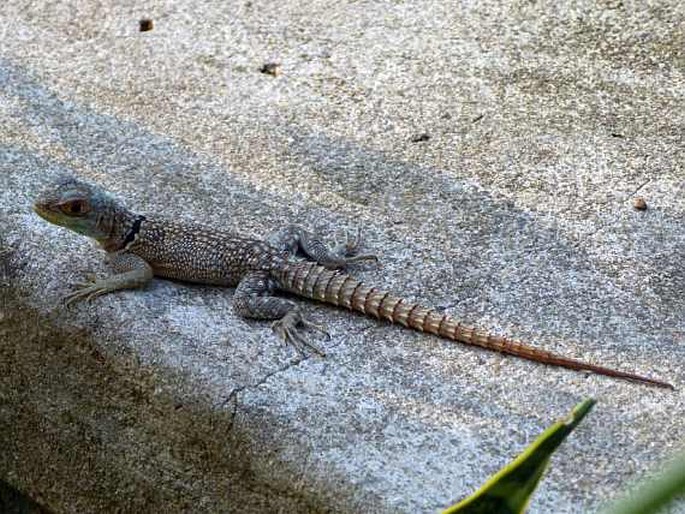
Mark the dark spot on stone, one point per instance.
(271, 68)
(639, 203)
(145, 25)
(419, 138)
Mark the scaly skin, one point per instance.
(139, 248)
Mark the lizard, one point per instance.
(140, 247)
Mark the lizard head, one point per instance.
(78, 206)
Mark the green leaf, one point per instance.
(509, 490)
(654, 494)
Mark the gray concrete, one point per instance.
(545, 119)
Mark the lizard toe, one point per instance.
(73, 297)
(84, 291)
(315, 326)
(348, 251)
(286, 329)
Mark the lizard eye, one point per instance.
(75, 207)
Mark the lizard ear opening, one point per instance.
(78, 207)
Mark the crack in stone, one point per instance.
(233, 395)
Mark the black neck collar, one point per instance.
(133, 231)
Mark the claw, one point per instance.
(286, 329)
(364, 257)
(314, 326)
(95, 294)
(71, 298)
(84, 291)
(351, 244)
(348, 251)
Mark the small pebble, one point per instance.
(145, 25)
(271, 68)
(639, 203)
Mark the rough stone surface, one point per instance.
(490, 151)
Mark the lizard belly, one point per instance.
(199, 264)
(167, 269)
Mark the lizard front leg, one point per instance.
(133, 272)
(252, 300)
(293, 237)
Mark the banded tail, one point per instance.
(313, 281)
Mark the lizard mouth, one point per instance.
(44, 212)
(49, 212)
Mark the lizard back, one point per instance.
(194, 253)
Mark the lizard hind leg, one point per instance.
(252, 300)
(292, 238)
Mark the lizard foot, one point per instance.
(86, 291)
(286, 329)
(348, 251)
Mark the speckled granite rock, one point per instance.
(491, 154)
